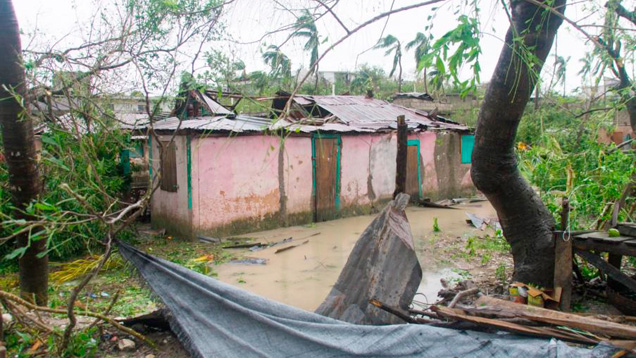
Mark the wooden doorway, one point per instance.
(413, 172)
(326, 160)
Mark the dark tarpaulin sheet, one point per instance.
(214, 319)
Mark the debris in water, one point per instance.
(249, 261)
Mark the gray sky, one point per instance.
(249, 20)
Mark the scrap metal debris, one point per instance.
(383, 266)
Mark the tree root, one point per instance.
(13, 298)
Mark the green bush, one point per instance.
(564, 158)
(82, 176)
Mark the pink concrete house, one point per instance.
(334, 156)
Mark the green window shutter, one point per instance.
(468, 141)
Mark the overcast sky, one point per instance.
(248, 20)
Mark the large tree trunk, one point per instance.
(526, 222)
(19, 148)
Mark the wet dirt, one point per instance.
(303, 276)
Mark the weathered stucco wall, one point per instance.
(170, 209)
(236, 181)
(297, 175)
(245, 183)
(452, 176)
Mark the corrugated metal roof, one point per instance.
(238, 124)
(349, 114)
(360, 112)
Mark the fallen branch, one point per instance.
(393, 311)
(290, 247)
(462, 294)
(13, 298)
(107, 312)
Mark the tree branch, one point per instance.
(623, 12)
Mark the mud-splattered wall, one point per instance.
(252, 182)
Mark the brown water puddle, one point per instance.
(304, 275)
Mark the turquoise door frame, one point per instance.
(319, 136)
(416, 142)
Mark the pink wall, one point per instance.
(234, 178)
(298, 174)
(354, 173)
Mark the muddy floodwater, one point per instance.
(303, 276)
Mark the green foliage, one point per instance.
(488, 244)
(458, 47)
(81, 177)
(392, 45)
(436, 226)
(562, 157)
(500, 272)
(305, 28)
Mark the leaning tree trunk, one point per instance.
(19, 148)
(526, 222)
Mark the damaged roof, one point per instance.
(359, 114)
(238, 124)
(315, 113)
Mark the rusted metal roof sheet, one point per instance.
(345, 114)
(238, 124)
(361, 113)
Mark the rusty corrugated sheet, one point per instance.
(361, 113)
(218, 123)
(348, 114)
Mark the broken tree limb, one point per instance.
(509, 309)
(283, 249)
(462, 294)
(382, 265)
(13, 298)
(393, 311)
(608, 269)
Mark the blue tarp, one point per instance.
(214, 319)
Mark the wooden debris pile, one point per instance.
(491, 314)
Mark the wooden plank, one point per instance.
(563, 260)
(326, 177)
(618, 248)
(412, 175)
(563, 271)
(512, 327)
(608, 269)
(604, 237)
(169, 167)
(510, 309)
(627, 229)
(616, 261)
(401, 158)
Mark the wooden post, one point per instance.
(563, 259)
(3, 350)
(400, 170)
